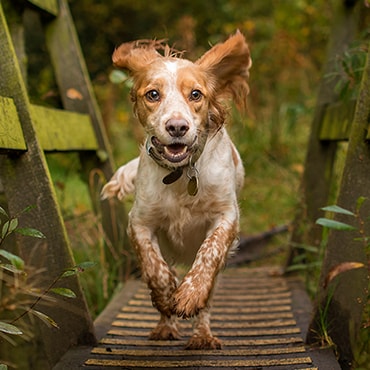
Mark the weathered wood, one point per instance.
(11, 135)
(257, 340)
(29, 171)
(51, 6)
(73, 80)
(319, 162)
(77, 95)
(60, 130)
(336, 124)
(348, 294)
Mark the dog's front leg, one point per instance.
(195, 290)
(155, 271)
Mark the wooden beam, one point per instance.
(11, 134)
(50, 6)
(336, 123)
(344, 299)
(320, 156)
(60, 130)
(26, 180)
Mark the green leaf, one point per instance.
(3, 367)
(337, 209)
(13, 225)
(4, 230)
(307, 248)
(360, 202)
(65, 292)
(11, 268)
(9, 329)
(46, 319)
(9, 227)
(117, 76)
(81, 267)
(336, 225)
(303, 266)
(2, 212)
(29, 208)
(14, 260)
(29, 231)
(85, 266)
(69, 272)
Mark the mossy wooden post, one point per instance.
(27, 182)
(77, 95)
(347, 294)
(316, 181)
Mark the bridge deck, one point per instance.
(259, 315)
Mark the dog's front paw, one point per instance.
(203, 342)
(165, 331)
(189, 299)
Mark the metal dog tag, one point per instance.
(192, 175)
(193, 186)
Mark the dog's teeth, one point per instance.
(175, 153)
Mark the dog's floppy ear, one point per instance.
(133, 56)
(229, 63)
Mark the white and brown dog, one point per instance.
(187, 177)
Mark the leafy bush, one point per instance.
(19, 293)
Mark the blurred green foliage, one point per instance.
(288, 41)
(281, 33)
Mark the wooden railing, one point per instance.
(342, 301)
(27, 131)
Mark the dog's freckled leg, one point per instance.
(156, 273)
(194, 292)
(202, 337)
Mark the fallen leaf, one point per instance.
(74, 94)
(338, 269)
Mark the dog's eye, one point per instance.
(152, 95)
(195, 95)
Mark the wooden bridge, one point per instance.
(262, 315)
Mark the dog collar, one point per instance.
(176, 172)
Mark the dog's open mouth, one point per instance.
(174, 153)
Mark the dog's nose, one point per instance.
(177, 127)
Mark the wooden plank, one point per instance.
(231, 342)
(215, 325)
(11, 134)
(59, 130)
(260, 332)
(152, 364)
(181, 353)
(50, 6)
(336, 123)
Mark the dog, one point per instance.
(187, 176)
